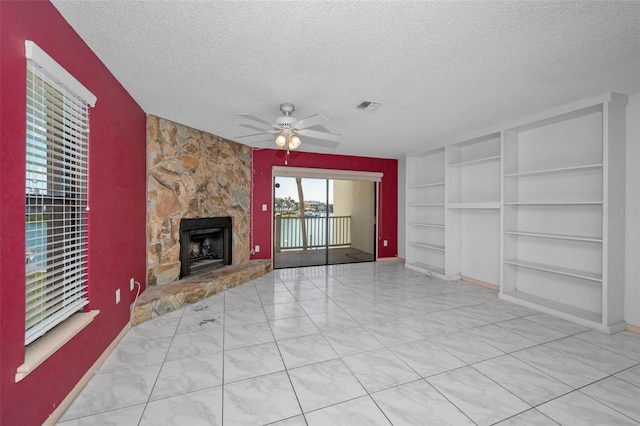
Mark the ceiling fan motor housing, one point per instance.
(285, 122)
(287, 108)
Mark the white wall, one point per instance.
(632, 223)
(480, 245)
(402, 208)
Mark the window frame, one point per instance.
(56, 173)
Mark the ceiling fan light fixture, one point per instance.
(294, 142)
(281, 140)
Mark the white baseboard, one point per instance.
(480, 283)
(389, 259)
(66, 402)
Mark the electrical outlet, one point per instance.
(117, 296)
(264, 207)
(257, 249)
(385, 243)
(132, 283)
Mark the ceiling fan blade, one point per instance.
(253, 134)
(318, 135)
(254, 118)
(252, 127)
(310, 121)
(317, 142)
(319, 128)
(262, 142)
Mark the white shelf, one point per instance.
(426, 204)
(427, 246)
(553, 203)
(556, 308)
(425, 267)
(555, 236)
(590, 276)
(480, 205)
(427, 225)
(426, 185)
(476, 161)
(556, 170)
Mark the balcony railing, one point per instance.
(321, 231)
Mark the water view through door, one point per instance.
(323, 222)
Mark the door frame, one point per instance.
(334, 174)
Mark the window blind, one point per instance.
(56, 202)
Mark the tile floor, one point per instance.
(362, 344)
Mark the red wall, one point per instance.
(116, 196)
(265, 159)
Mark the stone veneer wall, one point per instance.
(192, 174)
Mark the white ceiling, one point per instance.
(439, 68)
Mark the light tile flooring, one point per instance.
(362, 344)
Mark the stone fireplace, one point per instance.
(191, 175)
(205, 244)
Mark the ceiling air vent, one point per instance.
(369, 105)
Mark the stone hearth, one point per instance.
(162, 299)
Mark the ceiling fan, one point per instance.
(288, 129)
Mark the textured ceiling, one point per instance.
(438, 68)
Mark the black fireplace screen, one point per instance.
(205, 244)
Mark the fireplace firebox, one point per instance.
(205, 244)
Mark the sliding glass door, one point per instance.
(323, 221)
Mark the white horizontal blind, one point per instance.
(56, 202)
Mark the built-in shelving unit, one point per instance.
(473, 208)
(534, 206)
(562, 252)
(426, 213)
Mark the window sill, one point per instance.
(47, 345)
